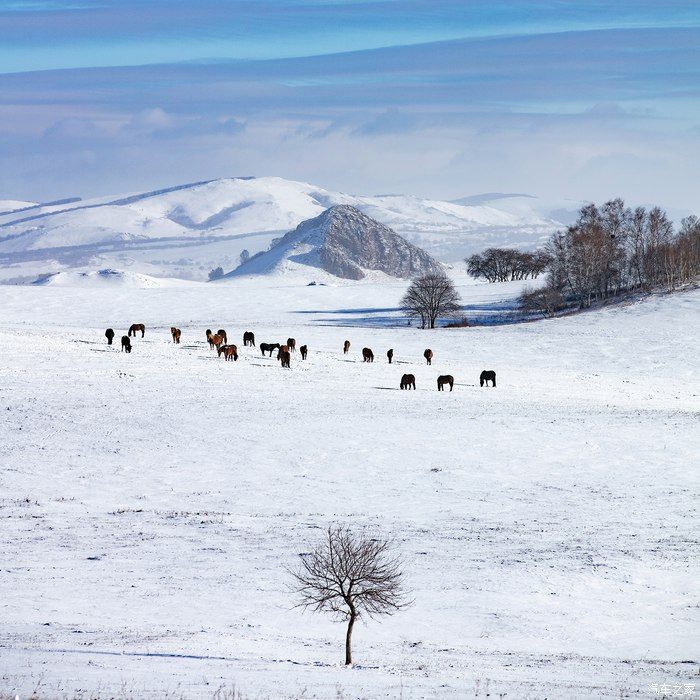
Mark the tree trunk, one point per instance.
(348, 641)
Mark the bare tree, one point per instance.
(350, 575)
(429, 298)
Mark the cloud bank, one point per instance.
(435, 99)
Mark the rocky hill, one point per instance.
(345, 243)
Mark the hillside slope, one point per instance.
(345, 243)
(186, 230)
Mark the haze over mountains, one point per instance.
(184, 231)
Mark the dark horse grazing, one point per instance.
(109, 334)
(135, 327)
(285, 357)
(367, 355)
(249, 339)
(390, 355)
(428, 355)
(222, 333)
(292, 344)
(269, 347)
(303, 350)
(176, 333)
(346, 347)
(445, 379)
(486, 376)
(230, 352)
(126, 344)
(408, 381)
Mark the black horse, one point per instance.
(109, 334)
(126, 343)
(390, 355)
(269, 347)
(445, 380)
(408, 381)
(249, 338)
(488, 375)
(304, 351)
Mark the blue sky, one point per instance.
(444, 98)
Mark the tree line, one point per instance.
(507, 264)
(613, 249)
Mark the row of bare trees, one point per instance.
(507, 264)
(613, 249)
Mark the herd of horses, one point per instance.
(219, 341)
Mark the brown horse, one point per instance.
(109, 334)
(249, 339)
(230, 352)
(488, 375)
(135, 327)
(445, 379)
(390, 355)
(303, 350)
(292, 344)
(367, 355)
(215, 341)
(176, 333)
(346, 347)
(126, 343)
(222, 333)
(269, 347)
(428, 355)
(408, 381)
(282, 349)
(285, 357)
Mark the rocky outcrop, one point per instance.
(346, 243)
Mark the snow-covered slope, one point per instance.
(188, 229)
(345, 243)
(151, 502)
(107, 278)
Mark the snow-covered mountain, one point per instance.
(345, 243)
(186, 230)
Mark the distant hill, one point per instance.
(345, 243)
(106, 278)
(186, 230)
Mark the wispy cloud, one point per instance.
(528, 97)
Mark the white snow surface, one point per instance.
(151, 501)
(108, 278)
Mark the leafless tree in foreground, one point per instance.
(351, 575)
(429, 298)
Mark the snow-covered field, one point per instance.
(150, 502)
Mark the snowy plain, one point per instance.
(150, 502)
